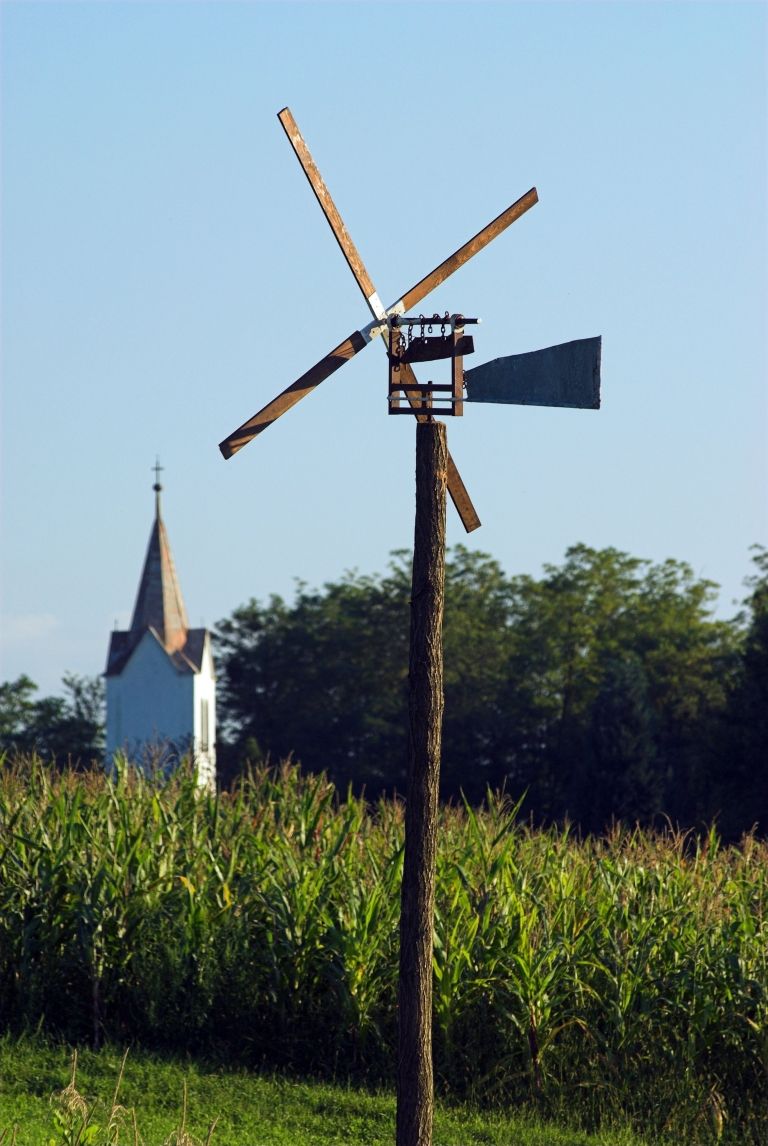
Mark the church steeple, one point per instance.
(161, 679)
(159, 603)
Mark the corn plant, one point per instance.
(604, 976)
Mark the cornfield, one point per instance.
(616, 977)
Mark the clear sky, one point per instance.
(166, 271)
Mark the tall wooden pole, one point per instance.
(415, 1088)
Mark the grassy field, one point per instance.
(248, 1110)
(599, 982)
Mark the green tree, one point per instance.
(742, 773)
(619, 774)
(605, 621)
(323, 679)
(569, 625)
(17, 712)
(69, 727)
(478, 640)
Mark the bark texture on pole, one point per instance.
(415, 1092)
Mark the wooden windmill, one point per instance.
(564, 375)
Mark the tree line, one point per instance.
(604, 689)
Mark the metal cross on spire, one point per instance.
(157, 487)
(564, 375)
(158, 469)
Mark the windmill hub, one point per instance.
(406, 347)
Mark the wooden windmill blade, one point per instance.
(329, 209)
(293, 393)
(471, 248)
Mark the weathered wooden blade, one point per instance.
(294, 393)
(335, 221)
(460, 498)
(465, 253)
(456, 488)
(563, 375)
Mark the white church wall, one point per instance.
(150, 703)
(204, 700)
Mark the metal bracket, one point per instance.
(432, 397)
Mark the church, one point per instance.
(160, 678)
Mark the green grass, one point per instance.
(249, 1110)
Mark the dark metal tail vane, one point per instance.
(564, 375)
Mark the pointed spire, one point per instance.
(159, 604)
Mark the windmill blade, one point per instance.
(294, 393)
(456, 488)
(565, 375)
(328, 207)
(422, 288)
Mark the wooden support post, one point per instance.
(415, 1091)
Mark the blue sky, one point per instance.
(166, 271)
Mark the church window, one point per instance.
(204, 735)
